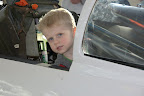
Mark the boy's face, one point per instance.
(60, 38)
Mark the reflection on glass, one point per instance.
(7, 89)
(115, 31)
(19, 38)
(141, 3)
(1, 2)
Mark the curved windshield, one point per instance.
(115, 32)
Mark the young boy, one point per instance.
(59, 28)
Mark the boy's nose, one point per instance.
(56, 41)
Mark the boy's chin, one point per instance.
(60, 52)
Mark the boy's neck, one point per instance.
(69, 54)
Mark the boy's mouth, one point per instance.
(59, 48)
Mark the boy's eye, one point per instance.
(50, 39)
(60, 34)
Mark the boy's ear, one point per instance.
(74, 30)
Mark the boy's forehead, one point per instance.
(62, 23)
(56, 28)
(59, 26)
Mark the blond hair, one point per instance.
(56, 16)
